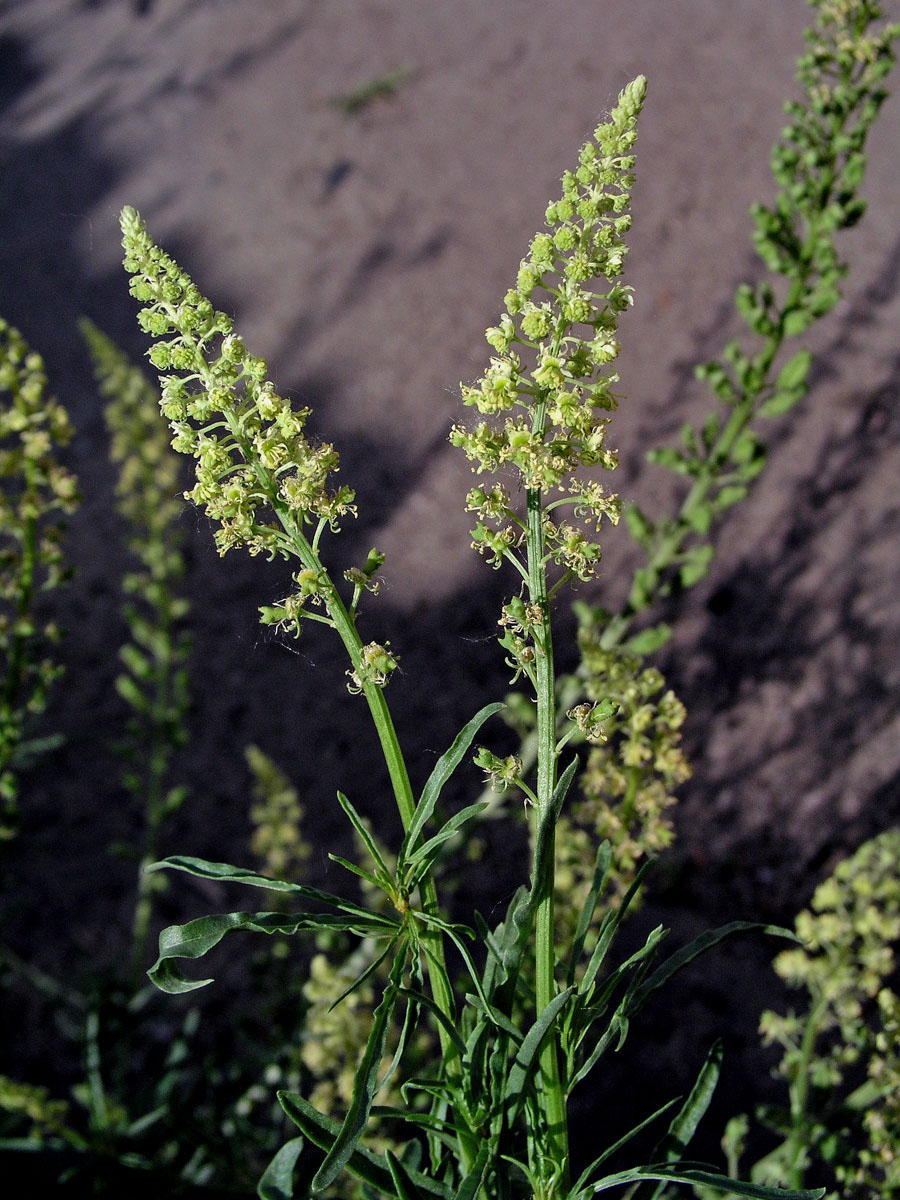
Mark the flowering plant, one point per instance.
(468, 1040)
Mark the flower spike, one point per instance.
(257, 473)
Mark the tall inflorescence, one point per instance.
(257, 475)
(546, 396)
(818, 165)
(34, 490)
(147, 498)
(154, 682)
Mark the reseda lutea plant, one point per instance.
(531, 1016)
(36, 490)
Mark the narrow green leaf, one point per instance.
(204, 869)
(672, 460)
(360, 826)
(132, 694)
(695, 565)
(611, 1150)
(506, 945)
(639, 525)
(469, 1188)
(684, 1125)
(495, 1017)
(404, 1188)
(362, 976)
(796, 321)
(440, 1016)
(277, 1182)
(543, 846)
(732, 493)
(323, 1131)
(648, 641)
(138, 664)
(526, 1059)
(781, 402)
(602, 863)
(610, 925)
(681, 958)
(453, 933)
(443, 769)
(196, 938)
(384, 883)
(364, 1083)
(700, 517)
(704, 1178)
(425, 855)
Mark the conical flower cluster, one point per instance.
(547, 392)
(257, 473)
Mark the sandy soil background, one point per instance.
(364, 255)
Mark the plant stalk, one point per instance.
(552, 1097)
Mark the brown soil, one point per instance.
(363, 254)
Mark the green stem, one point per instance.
(552, 1097)
(799, 1093)
(433, 942)
(345, 626)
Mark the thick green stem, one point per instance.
(552, 1097)
(432, 940)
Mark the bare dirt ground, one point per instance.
(364, 254)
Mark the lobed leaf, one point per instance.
(196, 938)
